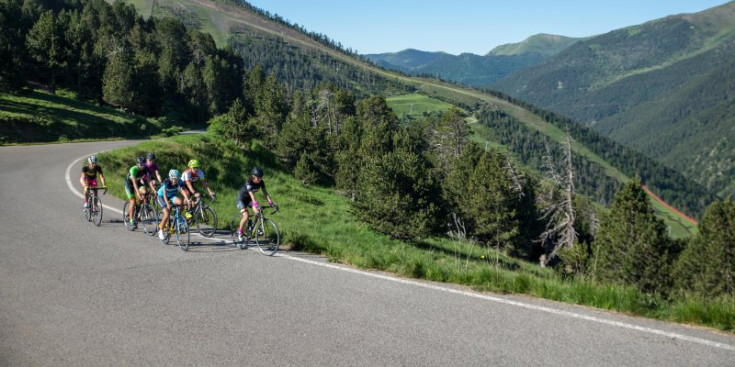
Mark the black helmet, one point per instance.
(150, 156)
(140, 161)
(257, 172)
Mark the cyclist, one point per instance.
(193, 174)
(246, 197)
(152, 168)
(167, 195)
(89, 176)
(135, 187)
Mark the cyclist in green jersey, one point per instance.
(135, 187)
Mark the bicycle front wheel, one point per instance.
(206, 220)
(149, 219)
(87, 211)
(182, 235)
(267, 237)
(95, 211)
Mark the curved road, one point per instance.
(72, 294)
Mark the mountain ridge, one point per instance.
(472, 69)
(663, 87)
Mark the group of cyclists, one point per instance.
(145, 175)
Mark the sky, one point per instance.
(475, 26)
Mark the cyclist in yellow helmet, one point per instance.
(193, 174)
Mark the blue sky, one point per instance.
(475, 26)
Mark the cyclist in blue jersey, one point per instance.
(167, 196)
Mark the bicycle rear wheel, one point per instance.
(206, 220)
(267, 237)
(149, 219)
(95, 211)
(182, 234)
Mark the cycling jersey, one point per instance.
(170, 187)
(90, 173)
(151, 169)
(243, 197)
(192, 176)
(135, 173)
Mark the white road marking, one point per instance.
(462, 292)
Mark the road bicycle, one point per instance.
(259, 231)
(93, 211)
(145, 213)
(177, 227)
(204, 218)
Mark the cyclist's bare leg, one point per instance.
(245, 216)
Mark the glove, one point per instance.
(270, 202)
(255, 204)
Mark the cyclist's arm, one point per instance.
(209, 190)
(102, 178)
(133, 173)
(252, 200)
(158, 176)
(267, 197)
(190, 187)
(165, 198)
(82, 180)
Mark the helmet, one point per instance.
(140, 161)
(174, 174)
(257, 172)
(194, 163)
(150, 156)
(92, 159)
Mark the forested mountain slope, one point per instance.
(665, 88)
(302, 59)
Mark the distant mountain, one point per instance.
(666, 88)
(475, 70)
(543, 44)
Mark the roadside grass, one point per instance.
(319, 220)
(37, 116)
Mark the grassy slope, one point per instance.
(43, 117)
(317, 219)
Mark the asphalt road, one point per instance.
(72, 294)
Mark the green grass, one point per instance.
(37, 116)
(319, 220)
(415, 105)
(678, 227)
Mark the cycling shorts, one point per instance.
(130, 190)
(91, 182)
(242, 205)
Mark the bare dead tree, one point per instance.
(559, 213)
(457, 230)
(517, 186)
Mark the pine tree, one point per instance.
(118, 81)
(12, 46)
(631, 245)
(45, 42)
(396, 194)
(490, 203)
(707, 265)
